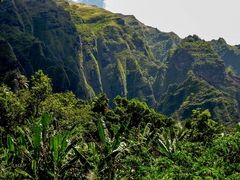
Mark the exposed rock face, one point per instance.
(42, 37)
(116, 58)
(230, 54)
(159, 42)
(90, 50)
(197, 56)
(8, 63)
(196, 77)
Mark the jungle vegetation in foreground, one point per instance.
(46, 135)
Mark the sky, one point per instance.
(209, 19)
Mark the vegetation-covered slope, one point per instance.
(42, 36)
(8, 63)
(230, 54)
(196, 77)
(47, 135)
(110, 56)
(90, 50)
(115, 57)
(159, 42)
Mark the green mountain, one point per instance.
(8, 64)
(90, 50)
(197, 77)
(230, 54)
(42, 36)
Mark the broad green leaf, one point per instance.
(27, 130)
(146, 130)
(103, 133)
(34, 167)
(26, 152)
(45, 120)
(55, 147)
(164, 149)
(37, 138)
(10, 143)
(24, 173)
(116, 141)
(51, 174)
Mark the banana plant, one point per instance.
(114, 147)
(111, 149)
(167, 141)
(44, 152)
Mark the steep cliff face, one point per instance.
(230, 54)
(8, 63)
(82, 48)
(196, 77)
(198, 56)
(116, 58)
(90, 50)
(42, 36)
(159, 42)
(121, 56)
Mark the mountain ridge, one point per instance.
(89, 50)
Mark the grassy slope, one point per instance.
(115, 59)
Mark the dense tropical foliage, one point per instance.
(46, 135)
(115, 99)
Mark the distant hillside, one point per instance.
(230, 54)
(90, 50)
(197, 77)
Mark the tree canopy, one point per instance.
(46, 135)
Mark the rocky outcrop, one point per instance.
(230, 54)
(43, 36)
(196, 77)
(90, 50)
(8, 64)
(159, 42)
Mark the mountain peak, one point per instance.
(221, 40)
(89, 50)
(192, 38)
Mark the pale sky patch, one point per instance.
(209, 19)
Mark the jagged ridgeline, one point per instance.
(85, 49)
(198, 77)
(89, 50)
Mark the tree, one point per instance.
(21, 82)
(11, 110)
(201, 127)
(41, 88)
(100, 104)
